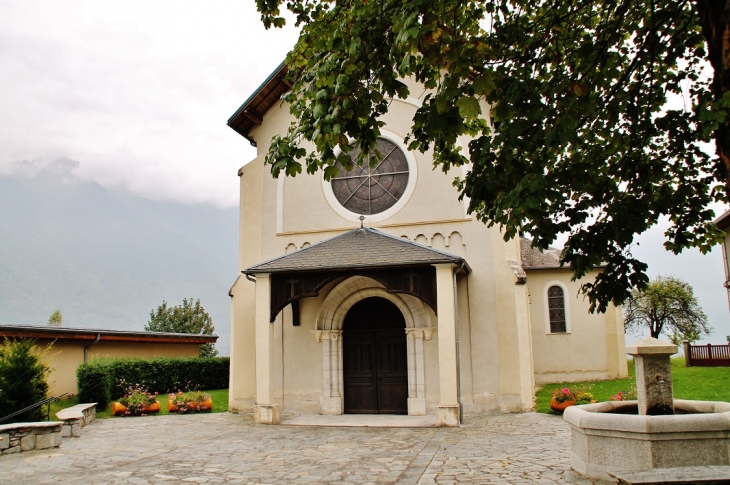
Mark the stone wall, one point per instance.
(18, 437)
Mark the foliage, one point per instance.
(188, 401)
(583, 397)
(565, 105)
(137, 399)
(23, 379)
(161, 375)
(577, 395)
(219, 397)
(56, 319)
(563, 395)
(629, 395)
(93, 383)
(186, 318)
(666, 304)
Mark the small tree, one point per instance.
(23, 379)
(56, 319)
(186, 318)
(667, 305)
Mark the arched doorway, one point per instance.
(375, 361)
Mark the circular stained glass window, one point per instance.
(377, 185)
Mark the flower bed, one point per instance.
(137, 401)
(192, 401)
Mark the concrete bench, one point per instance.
(17, 437)
(689, 475)
(76, 417)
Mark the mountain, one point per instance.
(107, 258)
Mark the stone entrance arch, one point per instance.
(328, 332)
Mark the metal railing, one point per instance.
(47, 401)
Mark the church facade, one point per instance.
(377, 292)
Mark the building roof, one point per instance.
(48, 332)
(533, 258)
(361, 248)
(251, 113)
(723, 222)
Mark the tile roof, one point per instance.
(356, 249)
(534, 258)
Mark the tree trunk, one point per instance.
(714, 18)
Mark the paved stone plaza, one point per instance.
(229, 448)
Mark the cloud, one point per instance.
(137, 92)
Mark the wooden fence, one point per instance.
(707, 355)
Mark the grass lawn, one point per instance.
(699, 383)
(220, 404)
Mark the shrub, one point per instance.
(166, 374)
(23, 379)
(92, 379)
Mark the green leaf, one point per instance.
(468, 107)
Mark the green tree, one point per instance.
(186, 318)
(56, 319)
(23, 379)
(666, 305)
(565, 105)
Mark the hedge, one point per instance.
(103, 379)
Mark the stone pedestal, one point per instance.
(653, 376)
(447, 416)
(266, 414)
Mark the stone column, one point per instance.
(265, 411)
(448, 409)
(332, 401)
(416, 372)
(653, 375)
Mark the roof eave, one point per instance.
(723, 222)
(254, 271)
(28, 331)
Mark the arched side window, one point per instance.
(556, 310)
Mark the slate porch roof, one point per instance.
(361, 248)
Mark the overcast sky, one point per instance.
(139, 93)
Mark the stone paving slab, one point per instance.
(227, 448)
(361, 420)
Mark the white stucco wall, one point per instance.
(592, 348)
(501, 334)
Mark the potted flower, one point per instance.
(137, 401)
(191, 401)
(562, 398)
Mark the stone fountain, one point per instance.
(656, 431)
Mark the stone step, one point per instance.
(689, 475)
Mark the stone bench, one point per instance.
(75, 418)
(17, 437)
(688, 475)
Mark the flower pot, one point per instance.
(205, 405)
(118, 409)
(559, 407)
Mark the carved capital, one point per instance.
(419, 332)
(320, 335)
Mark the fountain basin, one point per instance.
(607, 439)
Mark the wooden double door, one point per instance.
(375, 359)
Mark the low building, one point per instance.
(73, 346)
